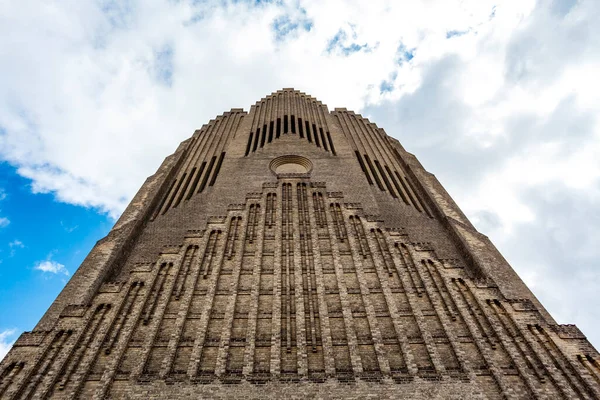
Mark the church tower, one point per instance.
(290, 251)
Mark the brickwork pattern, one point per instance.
(353, 276)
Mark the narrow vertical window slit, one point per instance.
(196, 180)
(408, 192)
(207, 174)
(397, 185)
(217, 169)
(185, 186)
(173, 194)
(248, 145)
(278, 133)
(385, 179)
(316, 134)
(308, 131)
(417, 198)
(300, 128)
(323, 139)
(331, 143)
(363, 167)
(372, 169)
(263, 136)
(256, 140)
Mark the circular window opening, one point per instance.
(291, 168)
(291, 165)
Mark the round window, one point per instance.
(294, 165)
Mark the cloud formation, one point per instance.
(6, 341)
(52, 267)
(501, 102)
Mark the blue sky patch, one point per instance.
(118, 13)
(40, 249)
(387, 86)
(163, 65)
(286, 25)
(450, 34)
(338, 44)
(403, 54)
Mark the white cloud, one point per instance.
(51, 267)
(110, 90)
(500, 101)
(6, 341)
(16, 243)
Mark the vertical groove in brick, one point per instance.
(300, 311)
(507, 345)
(53, 350)
(205, 269)
(72, 357)
(561, 362)
(374, 332)
(355, 359)
(473, 325)
(391, 303)
(259, 232)
(408, 264)
(435, 296)
(325, 328)
(9, 374)
(122, 344)
(520, 343)
(586, 360)
(276, 337)
(192, 269)
(231, 305)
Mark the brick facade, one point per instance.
(293, 252)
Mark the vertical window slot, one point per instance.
(407, 190)
(323, 139)
(196, 180)
(362, 166)
(173, 193)
(207, 174)
(308, 131)
(300, 127)
(418, 202)
(374, 173)
(316, 135)
(331, 143)
(162, 203)
(271, 131)
(249, 144)
(256, 140)
(285, 124)
(397, 185)
(293, 121)
(185, 186)
(217, 169)
(278, 133)
(385, 179)
(264, 136)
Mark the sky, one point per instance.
(500, 100)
